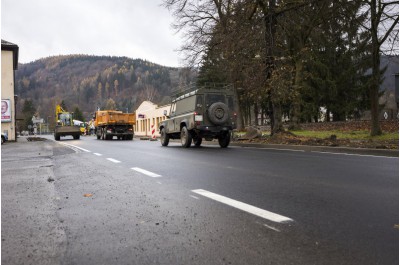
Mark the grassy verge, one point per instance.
(354, 135)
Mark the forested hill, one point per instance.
(88, 82)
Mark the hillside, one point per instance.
(88, 82)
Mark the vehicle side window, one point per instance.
(199, 101)
(173, 108)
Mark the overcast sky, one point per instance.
(131, 28)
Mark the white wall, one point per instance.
(7, 91)
(153, 116)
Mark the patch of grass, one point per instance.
(353, 135)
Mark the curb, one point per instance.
(323, 149)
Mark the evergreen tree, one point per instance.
(63, 105)
(78, 114)
(28, 110)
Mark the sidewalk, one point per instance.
(31, 230)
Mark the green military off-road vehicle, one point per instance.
(201, 112)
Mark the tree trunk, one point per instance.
(295, 119)
(374, 87)
(239, 117)
(270, 23)
(277, 115)
(256, 114)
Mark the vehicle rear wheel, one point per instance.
(2, 140)
(57, 137)
(197, 141)
(164, 138)
(186, 137)
(224, 139)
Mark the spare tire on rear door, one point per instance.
(218, 113)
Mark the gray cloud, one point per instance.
(136, 29)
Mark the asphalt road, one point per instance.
(135, 202)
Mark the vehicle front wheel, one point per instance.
(164, 138)
(186, 137)
(224, 139)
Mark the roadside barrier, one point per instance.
(153, 132)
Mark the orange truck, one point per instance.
(110, 123)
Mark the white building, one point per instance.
(148, 118)
(9, 63)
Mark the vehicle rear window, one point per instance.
(230, 102)
(212, 98)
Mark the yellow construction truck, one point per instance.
(110, 123)
(65, 125)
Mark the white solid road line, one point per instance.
(272, 228)
(348, 154)
(148, 173)
(244, 207)
(74, 146)
(113, 160)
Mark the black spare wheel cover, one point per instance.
(218, 113)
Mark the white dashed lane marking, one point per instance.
(97, 154)
(148, 173)
(274, 217)
(113, 160)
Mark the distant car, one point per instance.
(4, 138)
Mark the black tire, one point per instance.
(218, 113)
(164, 138)
(2, 140)
(186, 137)
(57, 137)
(224, 139)
(197, 141)
(77, 136)
(103, 134)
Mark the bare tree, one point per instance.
(197, 19)
(148, 93)
(110, 104)
(384, 33)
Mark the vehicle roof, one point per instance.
(207, 88)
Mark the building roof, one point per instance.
(8, 46)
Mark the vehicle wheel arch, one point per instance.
(183, 124)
